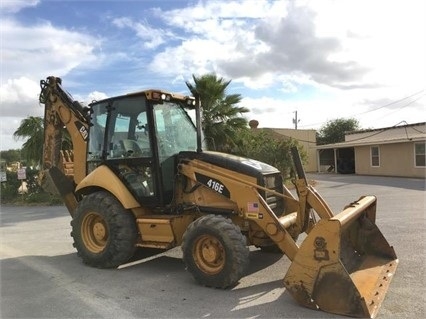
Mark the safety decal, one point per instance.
(214, 184)
(254, 215)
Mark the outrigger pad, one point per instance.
(345, 265)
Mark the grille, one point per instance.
(275, 183)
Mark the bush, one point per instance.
(43, 198)
(36, 195)
(9, 189)
(264, 147)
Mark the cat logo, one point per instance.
(82, 129)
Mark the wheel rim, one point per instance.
(94, 232)
(209, 254)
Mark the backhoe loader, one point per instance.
(138, 176)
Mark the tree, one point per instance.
(265, 147)
(334, 131)
(10, 156)
(31, 128)
(222, 119)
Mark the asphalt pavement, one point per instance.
(42, 277)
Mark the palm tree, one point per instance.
(221, 117)
(31, 128)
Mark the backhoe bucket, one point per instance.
(344, 265)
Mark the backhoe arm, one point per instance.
(61, 111)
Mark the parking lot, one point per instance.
(42, 277)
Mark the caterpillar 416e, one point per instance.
(137, 177)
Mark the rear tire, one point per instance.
(104, 233)
(215, 251)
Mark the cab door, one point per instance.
(120, 139)
(174, 132)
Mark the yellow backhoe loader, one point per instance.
(137, 177)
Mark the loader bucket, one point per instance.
(344, 265)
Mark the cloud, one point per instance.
(43, 50)
(208, 33)
(354, 55)
(151, 37)
(193, 56)
(415, 101)
(255, 42)
(19, 98)
(30, 53)
(293, 47)
(13, 6)
(262, 108)
(386, 37)
(190, 17)
(96, 96)
(34, 52)
(259, 43)
(8, 126)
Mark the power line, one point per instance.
(404, 106)
(395, 102)
(384, 130)
(383, 106)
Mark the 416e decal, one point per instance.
(213, 184)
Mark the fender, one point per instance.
(104, 177)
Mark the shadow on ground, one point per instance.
(160, 287)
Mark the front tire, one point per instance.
(104, 233)
(215, 251)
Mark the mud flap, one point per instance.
(345, 265)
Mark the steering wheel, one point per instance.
(130, 147)
(166, 147)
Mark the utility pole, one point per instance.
(295, 120)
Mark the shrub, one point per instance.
(35, 195)
(264, 147)
(9, 189)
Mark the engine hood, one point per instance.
(235, 163)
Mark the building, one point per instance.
(390, 151)
(306, 138)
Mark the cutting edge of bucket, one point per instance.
(376, 296)
(359, 294)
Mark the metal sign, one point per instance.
(22, 174)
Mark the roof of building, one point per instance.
(388, 135)
(304, 135)
(385, 128)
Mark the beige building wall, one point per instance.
(396, 159)
(306, 138)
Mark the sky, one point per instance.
(319, 60)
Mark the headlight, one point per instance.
(269, 181)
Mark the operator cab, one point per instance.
(138, 137)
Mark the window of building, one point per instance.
(375, 156)
(420, 154)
